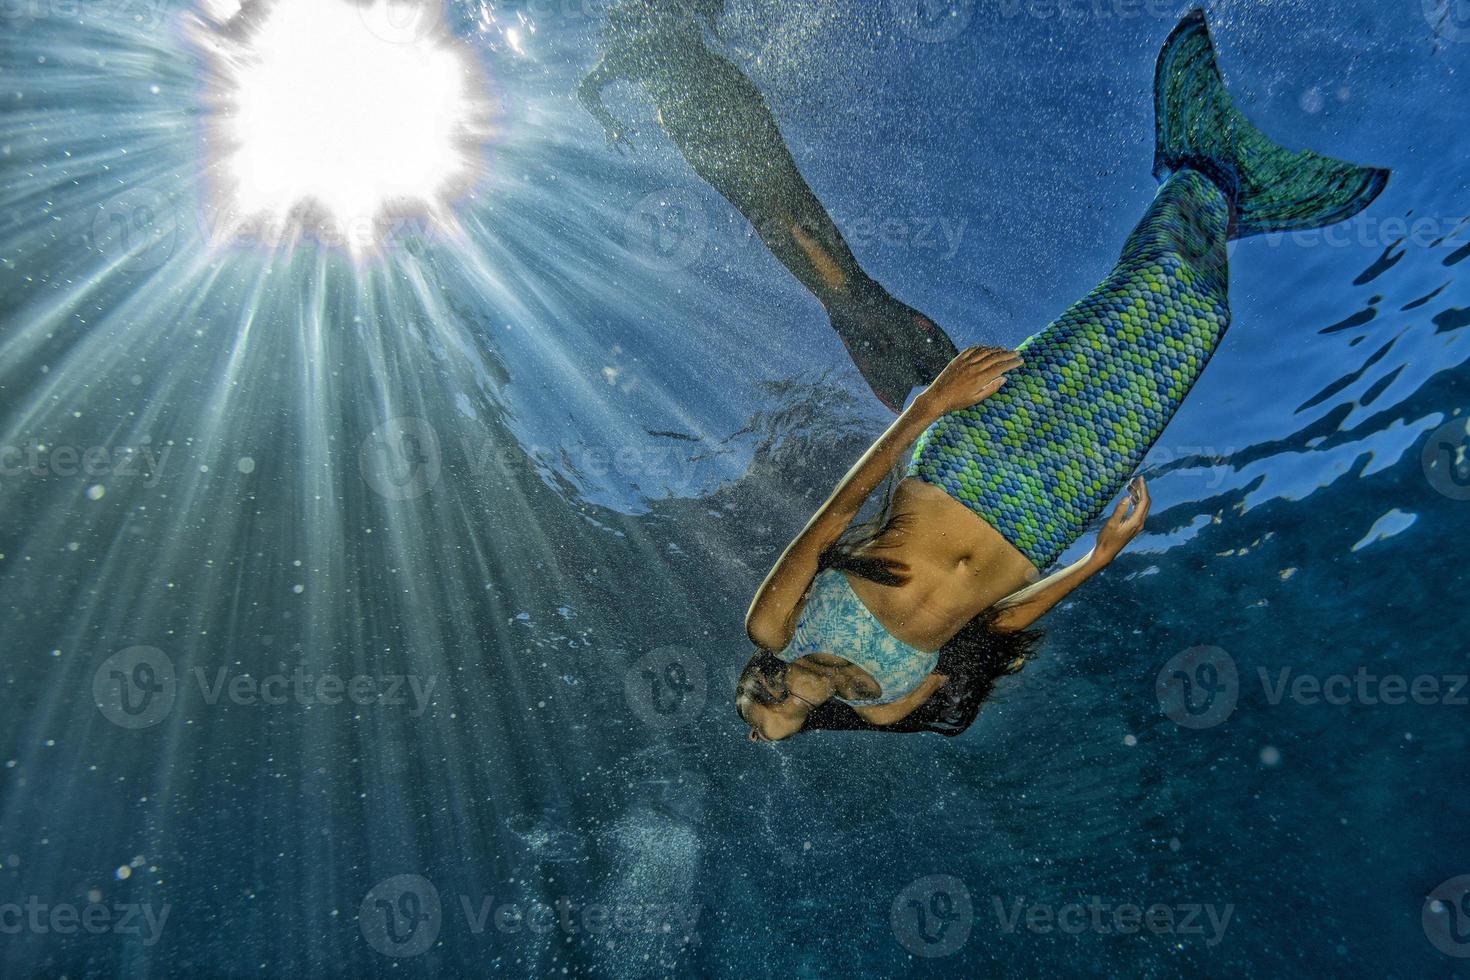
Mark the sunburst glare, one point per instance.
(341, 115)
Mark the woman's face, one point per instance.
(774, 722)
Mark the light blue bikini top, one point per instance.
(836, 622)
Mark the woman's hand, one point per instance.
(616, 139)
(1125, 523)
(974, 375)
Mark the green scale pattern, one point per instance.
(1043, 457)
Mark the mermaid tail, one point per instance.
(896, 347)
(1272, 188)
(1041, 459)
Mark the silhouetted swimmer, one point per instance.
(720, 123)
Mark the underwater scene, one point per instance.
(757, 488)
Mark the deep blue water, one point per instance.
(620, 433)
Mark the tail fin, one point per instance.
(896, 347)
(1274, 189)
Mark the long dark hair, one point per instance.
(973, 659)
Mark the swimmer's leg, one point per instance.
(738, 149)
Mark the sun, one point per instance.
(340, 115)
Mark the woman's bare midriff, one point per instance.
(955, 564)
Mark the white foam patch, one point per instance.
(657, 861)
(1394, 522)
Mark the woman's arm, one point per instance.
(894, 711)
(589, 93)
(1021, 609)
(971, 377)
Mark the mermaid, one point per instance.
(722, 126)
(905, 622)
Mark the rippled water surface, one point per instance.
(465, 711)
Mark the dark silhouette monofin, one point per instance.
(721, 124)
